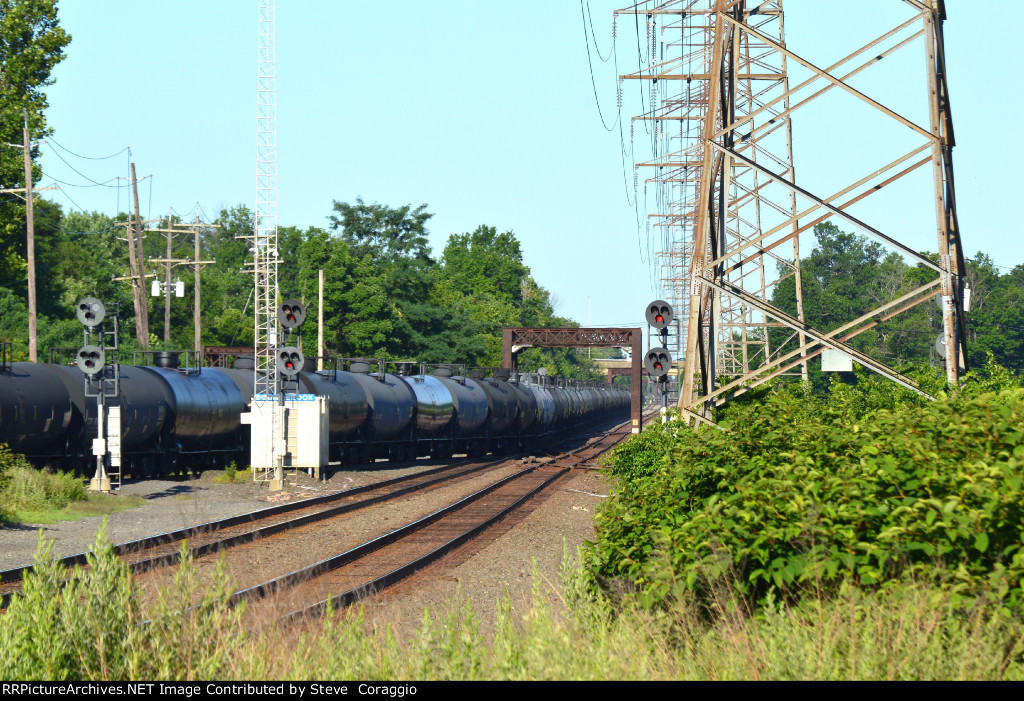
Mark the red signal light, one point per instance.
(659, 318)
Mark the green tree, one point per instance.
(846, 276)
(391, 278)
(357, 312)
(485, 263)
(227, 312)
(996, 319)
(31, 44)
(485, 285)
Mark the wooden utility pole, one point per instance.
(33, 353)
(142, 310)
(26, 147)
(167, 284)
(169, 263)
(197, 317)
(137, 299)
(320, 322)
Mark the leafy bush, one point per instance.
(24, 488)
(89, 624)
(800, 491)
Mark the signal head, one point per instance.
(90, 360)
(91, 312)
(291, 313)
(659, 314)
(657, 361)
(289, 361)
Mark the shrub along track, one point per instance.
(292, 521)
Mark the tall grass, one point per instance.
(26, 489)
(94, 628)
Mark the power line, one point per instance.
(89, 158)
(62, 182)
(63, 192)
(590, 65)
(590, 17)
(94, 182)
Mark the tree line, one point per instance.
(847, 275)
(385, 294)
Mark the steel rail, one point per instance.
(395, 575)
(162, 540)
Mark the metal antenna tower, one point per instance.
(752, 93)
(265, 254)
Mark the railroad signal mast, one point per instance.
(102, 381)
(658, 360)
(288, 358)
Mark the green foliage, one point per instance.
(31, 45)
(194, 633)
(485, 285)
(846, 276)
(89, 624)
(642, 455)
(996, 320)
(30, 495)
(232, 474)
(863, 484)
(81, 627)
(24, 488)
(382, 263)
(914, 631)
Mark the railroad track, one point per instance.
(377, 564)
(205, 539)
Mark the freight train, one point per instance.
(173, 420)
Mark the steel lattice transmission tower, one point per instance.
(749, 206)
(679, 75)
(264, 249)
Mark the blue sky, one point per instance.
(484, 111)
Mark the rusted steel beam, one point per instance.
(514, 340)
(213, 354)
(566, 337)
